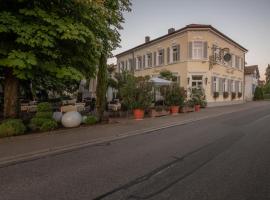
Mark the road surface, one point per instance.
(222, 158)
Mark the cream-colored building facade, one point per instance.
(195, 55)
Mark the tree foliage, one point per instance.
(57, 38)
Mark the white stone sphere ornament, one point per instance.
(71, 119)
(57, 116)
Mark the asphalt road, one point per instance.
(223, 158)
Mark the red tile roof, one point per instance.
(190, 26)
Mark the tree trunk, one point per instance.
(101, 86)
(11, 95)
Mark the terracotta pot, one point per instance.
(174, 110)
(138, 114)
(197, 108)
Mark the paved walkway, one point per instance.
(28, 147)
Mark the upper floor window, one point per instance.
(130, 64)
(139, 62)
(198, 50)
(176, 53)
(161, 57)
(149, 60)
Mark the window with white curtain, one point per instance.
(197, 50)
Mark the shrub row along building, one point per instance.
(198, 55)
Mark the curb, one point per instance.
(13, 160)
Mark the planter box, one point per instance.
(186, 109)
(154, 113)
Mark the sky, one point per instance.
(245, 21)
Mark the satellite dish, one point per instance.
(227, 57)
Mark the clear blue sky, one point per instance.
(245, 21)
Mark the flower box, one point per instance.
(158, 113)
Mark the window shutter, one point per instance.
(220, 85)
(155, 59)
(212, 85)
(163, 56)
(151, 60)
(229, 86)
(190, 50)
(168, 55)
(236, 86)
(178, 56)
(205, 48)
(143, 61)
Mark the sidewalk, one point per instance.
(29, 147)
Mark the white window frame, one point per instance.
(147, 60)
(225, 85)
(215, 83)
(160, 57)
(175, 54)
(197, 82)
(196, 50)
(233, 85)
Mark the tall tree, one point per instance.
(267, 74)
(63, 39)
(113, 15)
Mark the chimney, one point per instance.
(171, 30)
(147, 39)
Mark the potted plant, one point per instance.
(225, 95)
(239, 94)
(233, 95)
(174, 98)
(216, 95)
(198, 97)
(136, 94)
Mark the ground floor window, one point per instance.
(197, 81)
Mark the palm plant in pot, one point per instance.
(174, 98)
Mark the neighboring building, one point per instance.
(252, 76)
(195, 54)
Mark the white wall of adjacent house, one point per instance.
(251, 82)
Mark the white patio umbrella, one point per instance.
(159, 81)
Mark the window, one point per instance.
(197, 82)
(161, 57)
(237, 62)
(225, 85)
(176, 53)
(197, 50)
(130, 64)
(122, 68)
(139, 62)
(233, 86)
(215, 84)
(149, 60)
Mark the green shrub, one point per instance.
(90, 120)
(46, 114)
(44, 107)
(258, 95)
(43, 120)
(174, 96)
(48, 125)
(266, 96)
(12, 127)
